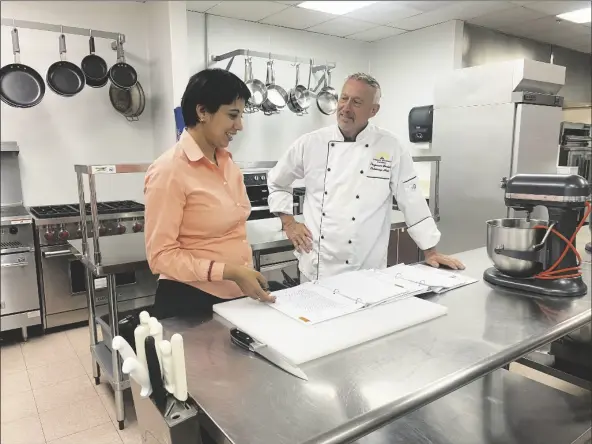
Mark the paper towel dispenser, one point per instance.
(421, 121)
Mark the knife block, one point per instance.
(180, 426)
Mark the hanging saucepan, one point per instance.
(63, 77)
(130, 103)
(124, 76)
(94, 67)
(276, 95)
(327, 97)
(257, 88)
(299, 96)
(20, 85)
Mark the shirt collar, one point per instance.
(361, 135)
(193, 151)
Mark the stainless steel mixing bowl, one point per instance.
(514, 234)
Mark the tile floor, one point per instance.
(48, 395)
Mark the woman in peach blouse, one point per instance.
(197, 205)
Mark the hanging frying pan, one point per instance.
(94, 67)
(124, 76)
(327, 97)
(277, 97)
(20, 85)
(63, 77)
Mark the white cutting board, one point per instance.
(302, 343)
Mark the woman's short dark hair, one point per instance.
(211, 88)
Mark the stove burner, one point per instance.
(73, 210)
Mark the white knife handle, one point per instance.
(144, 318)
(167, 365)
(140, 334)
(138, 373)
(122, 346)
(179, 367)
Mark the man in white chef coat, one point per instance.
(351, 172)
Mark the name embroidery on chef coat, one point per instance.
(381, 163)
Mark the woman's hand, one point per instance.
(251, 282)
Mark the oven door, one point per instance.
(64, 282)
(19, 291)
(281, 274)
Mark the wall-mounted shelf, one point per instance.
(269, 55)
(25, 24)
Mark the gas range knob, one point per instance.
(49, 235)
(120, 229)
(137, 227)
(63, 235)
(13, 230)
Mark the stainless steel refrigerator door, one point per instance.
(475, 143)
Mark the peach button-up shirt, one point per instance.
(195, 218)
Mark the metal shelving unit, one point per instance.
(98, 265)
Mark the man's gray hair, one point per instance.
(368, 80)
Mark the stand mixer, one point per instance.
(538, 256)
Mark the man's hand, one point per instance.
(251, 282)
(435, 259)
(298, 233)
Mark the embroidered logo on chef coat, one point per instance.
(380, 164)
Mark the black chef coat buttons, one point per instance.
(349, 242)
(326, 193)
(353, 218)
(328, 169)
(322, 237)
(366, 145)
(332, 144)
(347, 262)
(358, 196)
(323, 214)
(361, 171)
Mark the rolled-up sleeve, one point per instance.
(165, 199)
(418, 217)
(281, 177)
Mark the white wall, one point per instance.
(61, 132)
(167, 47)
(267, 137)
(407, 66)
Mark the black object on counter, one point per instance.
(20, 85)
(158, 390)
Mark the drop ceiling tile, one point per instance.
(374, 34)
(200, 6)
(548, 28)
(384, 12)
(427, 5)
(289, 2)
(557, 7)
(341, 27)
(506, 17)
(297, 18)
(462, 10)
(247, 10)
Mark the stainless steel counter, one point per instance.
(357, 391)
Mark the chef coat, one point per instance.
(349, 198)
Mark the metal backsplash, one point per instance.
(482, 45)
(11, 191)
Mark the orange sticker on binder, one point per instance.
(302, 318)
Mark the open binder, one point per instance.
(339, 295)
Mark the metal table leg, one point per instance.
(115, 359)
(92, 323)
(25, 334)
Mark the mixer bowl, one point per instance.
(514, 234)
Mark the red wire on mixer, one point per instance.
(551, 273)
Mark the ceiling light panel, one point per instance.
(334, 7)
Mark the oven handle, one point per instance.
(58, 253)
(267, 208)
(278, 266)
(15, 264)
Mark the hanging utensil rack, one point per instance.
(25, 24)
(269, 55)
